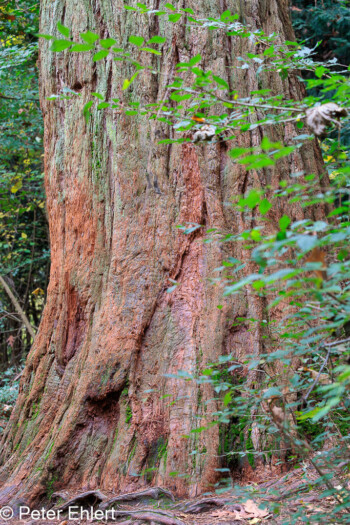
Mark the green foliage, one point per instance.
(24, 245)
(325, 23)
(128, 414)
(9, 387)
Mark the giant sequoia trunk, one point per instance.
(91, 410)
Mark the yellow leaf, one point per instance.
(16, 186)
(24, 235)
(38, 291)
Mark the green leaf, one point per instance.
(170, 6)
(86, 111)
(334, 401)
(150, 50)
(89, 37)
(157, 40)
(270, 51)
(60, 45)
(63, 29)
(338, 211)
(100, 55)
(258, 285)
(234, 153)
(272, 392)
(344, 375)
(284, 152)
(252, 199)
(264, 206)
(319, 71)
(47, 37)
(107, 42)
(103, 105)
(266, 144)
(194, 60)
(227, 398)
(198, 430)
(81, 47)
(225, 15)
(98, 95)
(221, 82)
(136, 40)
(284, 222)
(127, 82)
(175, 17)
(306, 242)
(243, 282)
(255, 162)
(309, 415)
(178, 97)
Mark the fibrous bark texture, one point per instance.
(96, 409)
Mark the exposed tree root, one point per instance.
(204, 505)
(154, 492)
(127, 522)
(90, 497)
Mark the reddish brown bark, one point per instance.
(110, 332)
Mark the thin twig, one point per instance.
(17, 307)
(337, 342)
(248, 104)
(318, 376)
(301, 447)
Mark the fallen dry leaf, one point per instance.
(233, 515)
(252, 508)
(319, 117)
(207, 132)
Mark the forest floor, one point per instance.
(156, 506)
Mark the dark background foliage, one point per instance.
(24, 246)
(326, 22)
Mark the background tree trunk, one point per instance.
(90, 411)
